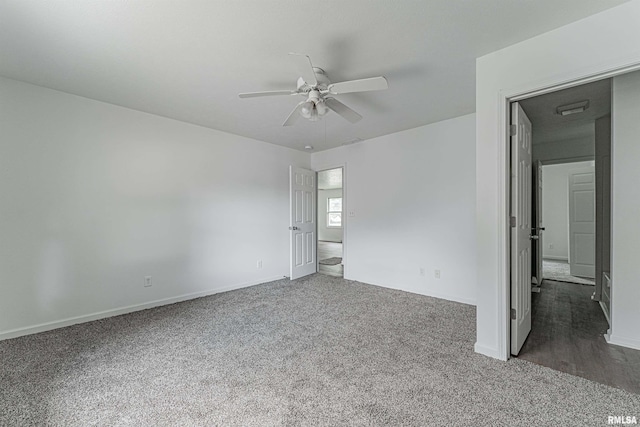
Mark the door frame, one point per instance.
(565, 161)
(536, 194)
(329, 166)
(505, 98)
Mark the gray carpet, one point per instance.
(316, 351)
(559, 271)
(331, 261)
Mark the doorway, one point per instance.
(558, 140)
(569, 215)
(564, 200)
(330, 222)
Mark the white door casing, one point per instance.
(345, 211)
(539, 227)
(302, 196)
(540, 224)
(521, 193)
(582, 223)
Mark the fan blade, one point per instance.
(305, 68)
(362, 85)
(294, 116)
(267, 93)
(342, 109)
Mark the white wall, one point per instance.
(563, 55)
(625, 218)
(555, 208)
(328, 234)
(94, 197)
(567, 150)
(413, 196)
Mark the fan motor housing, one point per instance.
(321, 78)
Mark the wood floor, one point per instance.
(330, 250)
(567, 334)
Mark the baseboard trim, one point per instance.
(555, 258)
(454, 298)
(623, 341)
(56, 324)
(488, 351)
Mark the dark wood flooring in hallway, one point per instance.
(567, 334)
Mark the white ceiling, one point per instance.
(330, 179)
(548, 126)
(189, 59)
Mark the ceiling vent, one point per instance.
(352, 141)
(576, 107)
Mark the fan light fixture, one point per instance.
(576, 107)
(316, 87)
(314, 107)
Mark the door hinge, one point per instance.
(513, 314)
(513, 129)
(512, 221)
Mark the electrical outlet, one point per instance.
(147, 281)
(352, 213)
(436, 274)
(422, 271)
(259, 264)
(550, 245)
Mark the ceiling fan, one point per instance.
(315, 86)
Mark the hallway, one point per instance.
(567, 335)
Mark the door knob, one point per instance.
(534, 237)
(294, 228)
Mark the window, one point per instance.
(334, 212)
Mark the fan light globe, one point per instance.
(322, 108)
(307, 109)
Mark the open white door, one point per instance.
(302, 193)
(521, 193)
(582, 223)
